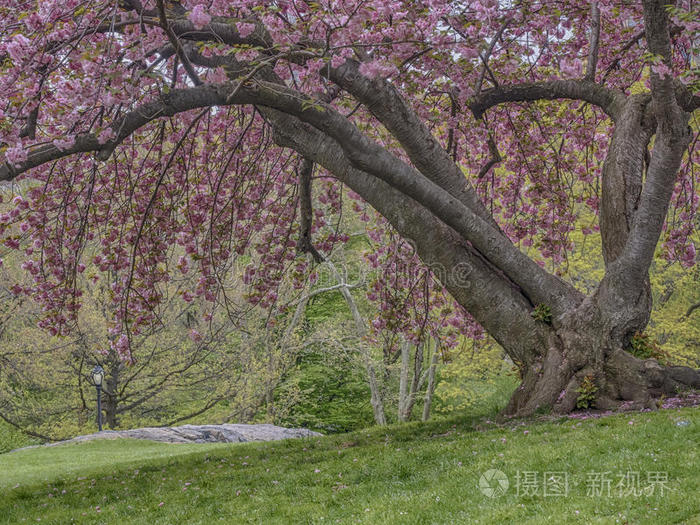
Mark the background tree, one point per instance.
(110, 106)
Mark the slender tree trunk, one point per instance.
(403, 381)
(361, 328)
(430, 390)
(375, 392)
(109, 393)
(416, 382)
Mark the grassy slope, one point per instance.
(416, 473)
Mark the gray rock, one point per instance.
(226, 433)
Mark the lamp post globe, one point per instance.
(98, 375)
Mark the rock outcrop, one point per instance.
(226, 433)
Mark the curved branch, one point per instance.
(368, 156)
(176, 101)
(692, 308)
(165, 25)
(609, 100)
(483, 291)
(304, 244)
(672, 138)
(495, 158)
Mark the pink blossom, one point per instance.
(16, 155)
(106, 135)
(19, 48)
(245, 29)
(199, 17)
(377, 69)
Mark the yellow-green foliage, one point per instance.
(674, 290)
(470, 374)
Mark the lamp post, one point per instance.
(98, 375)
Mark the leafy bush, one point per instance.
(324, 392)
(542, 313)
(644, 347)
(587, 393)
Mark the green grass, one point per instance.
(412, 474)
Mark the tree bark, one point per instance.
(430, 390)
(403, 381)
(110, 390)
(417, 380)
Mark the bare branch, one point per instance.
(692, 308)
(495, 158)
(175, 41)
(615, 64)
(176, 101)
(485, 57)
(304, 244)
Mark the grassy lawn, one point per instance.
(416, 473)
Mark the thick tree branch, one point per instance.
(487, 295)
(672, 138)
(29, 129)
(622, 175)
(425, 152)
(369, 156)
(169, 104)
(659, 41)
(365, 154)
(608, 99)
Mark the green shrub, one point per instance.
(542, 313)
(587, 393)
(643, 347)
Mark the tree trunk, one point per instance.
(430, 390)
(109, 391)
(416, 382)
(375, 394)
(423, 193)
(587, 344)
(403, 381)
(586, 333)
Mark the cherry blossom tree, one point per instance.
(480, 131)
